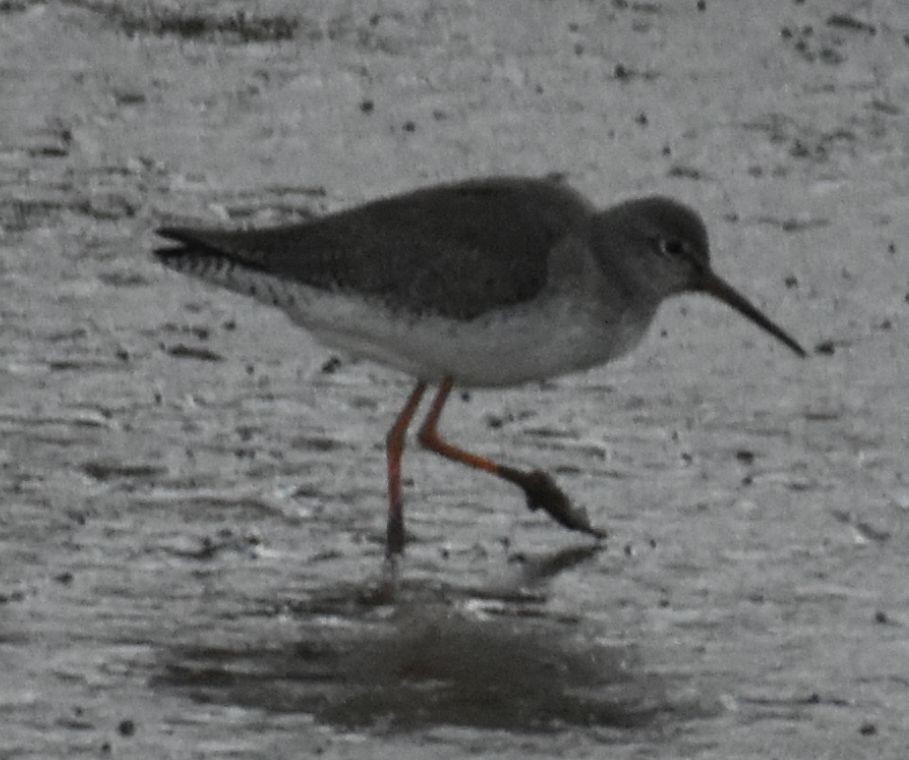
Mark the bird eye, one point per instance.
(672, 246)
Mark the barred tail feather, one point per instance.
(219, 268)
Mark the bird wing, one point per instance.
(456, 250)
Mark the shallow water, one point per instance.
(193, 510)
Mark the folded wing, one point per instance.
(456, 250)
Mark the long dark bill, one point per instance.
(719, 288)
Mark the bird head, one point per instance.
(657, 247)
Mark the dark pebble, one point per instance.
(331, 366)
(745, 456)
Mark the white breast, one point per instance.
(523, 343)
(565, 330)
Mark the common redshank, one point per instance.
(482, 283)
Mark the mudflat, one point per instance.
(192, 489)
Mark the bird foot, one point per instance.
(542, 493)
(386, 590)
(394, 536)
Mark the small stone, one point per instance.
(331, 365)
(745, 456)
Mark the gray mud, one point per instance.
(193, 491)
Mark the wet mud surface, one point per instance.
(191, 538)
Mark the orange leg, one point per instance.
(539, 488)
(394, 448)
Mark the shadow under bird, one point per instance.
(482, 283)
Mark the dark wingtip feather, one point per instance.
(175, 256)
(188, 247)
(176, 234)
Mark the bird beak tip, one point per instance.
(717, 287)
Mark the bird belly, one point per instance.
(510, 346)
(556, 334)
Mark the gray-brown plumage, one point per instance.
(455, 250)
(487, 282)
